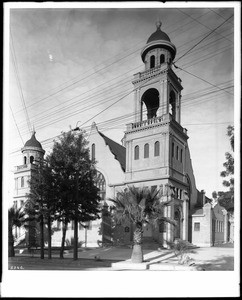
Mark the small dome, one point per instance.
(158, 35)
(158, 39)
(33, 142)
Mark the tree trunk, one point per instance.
(49, 237)
(137, 253)
(42, 242)
(11, 252)
(75, 252)
(63, 239)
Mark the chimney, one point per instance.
(203, 197)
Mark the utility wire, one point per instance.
(105, 66)
(203, 39)
(196, 20)
(85, 99)
(219, 15)
(124, 117)
(18, 82)
(93, 73)
(203, 80)
(16, 124)
(112, 104)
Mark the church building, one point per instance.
(154, 153)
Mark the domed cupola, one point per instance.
(32, 142)
(32, 150)
(158, 49)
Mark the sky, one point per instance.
(68, 65)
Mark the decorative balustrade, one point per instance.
(21, 167)
(26, 166)
(154, 121)
(145, 123)
(149, 72)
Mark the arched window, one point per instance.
(100, 183)
(31, 159)
(22, 181)
(177, 152)
(25, 160)
(162, 58)
(172, 150)
(93, 152)
(172, 104)
(152, 61)
(136, 152)
(181, 155)
(146, 150)
(157, 148)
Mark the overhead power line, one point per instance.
(203, 39)
(196, 20)
(16, 123)
(203, 80)
(15, 65)
(98, 100)
(186, 102)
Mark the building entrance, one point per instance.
(177, 217)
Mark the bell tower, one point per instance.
(156, 143)
(32, 153)
(157, 89)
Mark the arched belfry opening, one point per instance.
(172, 104)
(151, 100)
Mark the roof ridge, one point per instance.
(117, 150)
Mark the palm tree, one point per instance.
(16, 218)
(139, 206)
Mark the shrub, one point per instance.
(181, 249)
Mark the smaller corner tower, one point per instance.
(32, 153)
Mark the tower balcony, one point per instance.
(145, 123)
(25, 167)
(150, 72)
(153, 72)
(153, 122)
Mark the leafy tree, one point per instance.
(16, 218)
(229, 164)
(139, 206)
(74, 186)
(40, 204)
(226, 199)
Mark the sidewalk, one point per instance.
(210, 258)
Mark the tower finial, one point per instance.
(158, 24)
(33, 132)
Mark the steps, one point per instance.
(188, 244)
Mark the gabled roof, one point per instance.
(198, 212)
(117, 150)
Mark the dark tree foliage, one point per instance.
(16, 218)
(139, 206)
(76, 193)
(229, 163)
(41, 204)
(226, 199)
